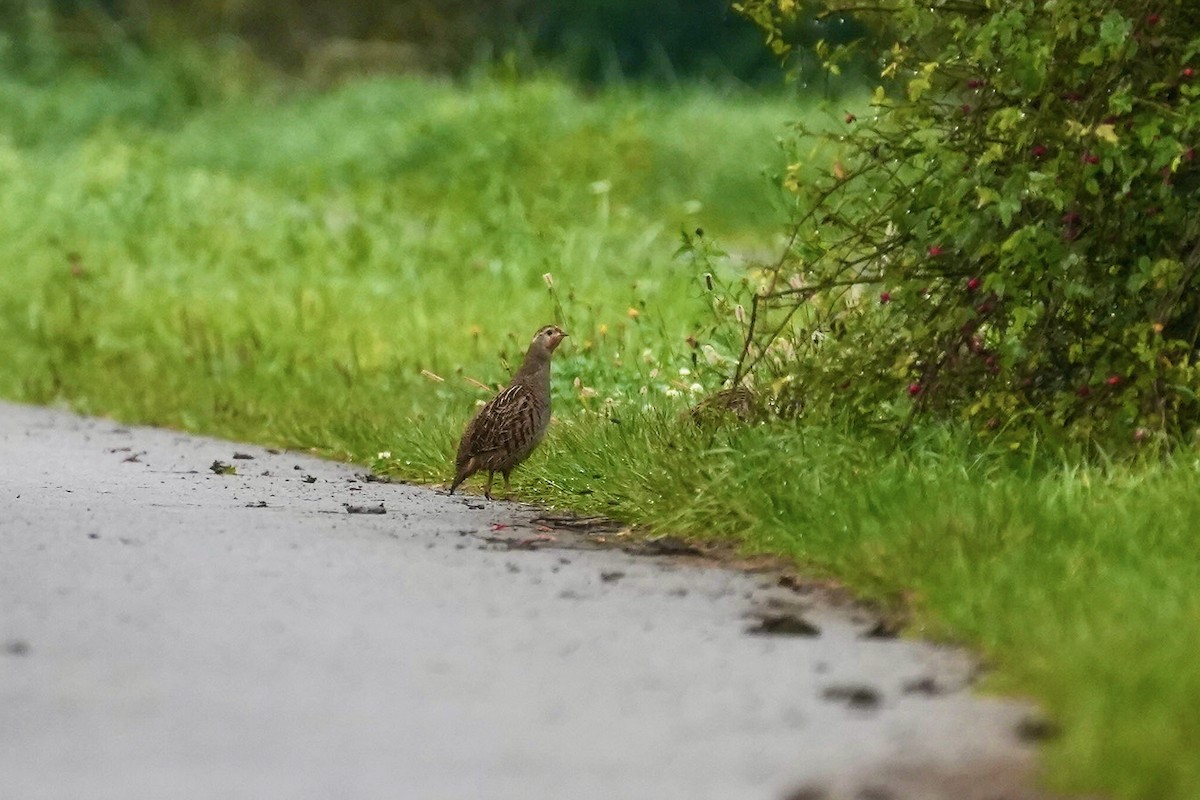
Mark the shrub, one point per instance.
(1010, 236)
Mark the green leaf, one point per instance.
(1093, 56)
(1114, 30)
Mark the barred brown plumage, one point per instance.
(506, 430)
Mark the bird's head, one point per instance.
(549, 337)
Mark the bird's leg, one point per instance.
(487, 490)
(507, 485)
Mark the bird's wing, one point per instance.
(498, 424)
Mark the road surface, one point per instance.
(170, 632)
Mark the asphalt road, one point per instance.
(169, 632)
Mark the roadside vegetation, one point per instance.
(351, 269)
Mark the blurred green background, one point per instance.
(592, 40)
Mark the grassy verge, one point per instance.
(295, 270)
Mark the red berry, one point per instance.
(850, 118)
(885, 298)
(975, 83)
(1153, 19)
(966, 109)
(1083, 391)
(1038, 150)
(973, 284)
(1113, 380)
(1090, 158)
(914, 389)
(935, 251)
(1188, 72)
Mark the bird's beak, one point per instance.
(558, 340)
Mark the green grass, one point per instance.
(283, 268)
(298, 248)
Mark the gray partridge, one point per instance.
(504, 432)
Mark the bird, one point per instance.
(505, 431)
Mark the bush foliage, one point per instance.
(1010, 236)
